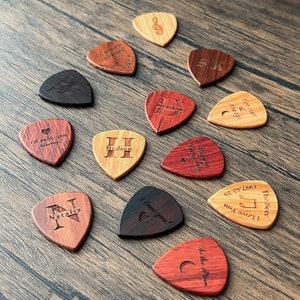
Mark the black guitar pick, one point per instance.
(150, 212)
(67, 88)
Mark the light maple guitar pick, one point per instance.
(208, 66)
(115, 57)
(67, 88)
(199, 158)
(196, 266)
(118, 151)
(250, 203)
(150, 212)
(166, 110)
(238, 110)
(48, 140)
(156, 27)
(64, 218)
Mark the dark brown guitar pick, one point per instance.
(208, 66)
(150, 212)
(48, 140)
(199, 158)
(64, 219)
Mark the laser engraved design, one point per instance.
(169, 107)
(63, 85)
(212, 65)
(157, 27)
(111, 148)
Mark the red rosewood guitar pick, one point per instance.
(115, 57)
(196, 266)
(48, 140)
(199, 158)
(150, 212)
(64, 219)
(166, 110)
(208, 66)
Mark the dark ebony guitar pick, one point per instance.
(67, 88)
(150, 212)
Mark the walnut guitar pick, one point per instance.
(196, 266)
(198, 157)
(150, 212)
(115, 57)
(250, 203)
(48, 140)
(64, 218)
(238, 110)
(166, 110)
(67, 88)
(156, 27)
(118, 151)
(208, 66)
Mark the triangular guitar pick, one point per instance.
(115, 57)
(64, 218)
(150, 212)
(166, 110)
(238, 110)
(118, 151)
(156, 27)
(48, 140)
(198, 157)
(208, 66)
(196, 266)
(67, 88)
(250, 203)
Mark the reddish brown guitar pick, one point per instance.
(64, 218)
(208, 66)
(196, 266)
(48, 140)
(166, 110)
(199, 157)
(115, 57)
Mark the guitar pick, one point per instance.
(67, 88)
(250, 203)
(198, 157)
(166, 110)
(196, 266)
(157, 27)
(150, 212)
(118, 151)
(64, 219)
(208, 66)
(115, 57)
(48, 140)
(238, 110)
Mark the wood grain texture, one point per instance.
(40, 38)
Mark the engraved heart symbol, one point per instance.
(64, 219)
(150, 212)
(250, 203)
(48, 148)
(196, 266)
(115, 57)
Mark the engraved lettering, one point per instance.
(111, 148)
(212, 65)
(267, 203)
(63, 86)
(168, 107)
(154, 213)
(197, 155)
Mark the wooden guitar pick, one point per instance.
(166, 110)
(250, 203)
(67, 88)
(150, 212)
(48, 140)
(208, 66)
(196, 266)
(198, 157)
(118, 151)
(115, 57)
(156, 27)
(238, 110)
(64, 219)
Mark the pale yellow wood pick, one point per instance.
(156, 27)
(118, 151)
(239, 110)
(250, 203)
